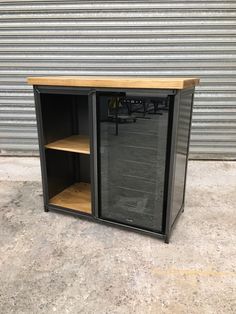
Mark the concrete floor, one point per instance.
(53, 263)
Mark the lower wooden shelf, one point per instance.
(76, 197)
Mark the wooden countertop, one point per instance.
(115, 81)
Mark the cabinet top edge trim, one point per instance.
(115, 81)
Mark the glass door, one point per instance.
(132, 137)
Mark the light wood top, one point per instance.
(76, 196)
(115, 81)
(74, 143)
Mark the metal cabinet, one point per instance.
(115, 155)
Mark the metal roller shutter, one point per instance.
(164, 38)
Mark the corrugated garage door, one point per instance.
(166, 38)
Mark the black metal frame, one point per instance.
(174, 97)
(175, 104)
(37, 93)
(171, 142)
(181, 210)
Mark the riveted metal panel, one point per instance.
(147, 38)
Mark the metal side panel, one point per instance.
(146, 38)
(181, 152)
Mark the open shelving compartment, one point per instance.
(65, 124)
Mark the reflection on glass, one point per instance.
(133, 135)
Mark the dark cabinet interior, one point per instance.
(66, 138)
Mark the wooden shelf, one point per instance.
(76, 197)
(74, 143)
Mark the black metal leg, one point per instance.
(167, 239)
